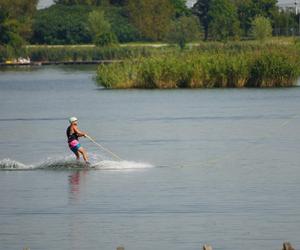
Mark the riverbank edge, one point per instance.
(47, 63)
(262, 68)
(36, 55)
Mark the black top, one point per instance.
(71, 137)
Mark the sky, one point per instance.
(46, 3)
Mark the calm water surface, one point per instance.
(224, 165)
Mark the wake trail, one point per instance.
(70, 164)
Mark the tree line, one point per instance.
(105, 22)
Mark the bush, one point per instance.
(8, 52)
(261, 28)
(3, 54)
(106, 39)
(100, 29)
(183, 30)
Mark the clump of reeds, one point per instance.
(194, 69)
(117, 75)
(274, 69)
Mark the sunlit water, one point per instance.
(216, 166)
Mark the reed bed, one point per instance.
(82, 54)
(268, 67)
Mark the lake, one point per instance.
(217, 166)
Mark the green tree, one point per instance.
(118, 2)
(202, 9)
(4, 28)
(224, 21)
(11, 34)
(261, 28)
(61, 24)
(105, 39)
(120, 24)
(151, 17)
(18, 9)
(184, 29)
(180, 7)
(97, 23)
(91, 2)
(218, 18)
(79, 2)
(100, 29)
(266, 8)
(249, 9)
(244, 12)
(16, 21)
(286, 23)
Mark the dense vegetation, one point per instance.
(16, 19)
(61, 24)
(89, 53)
(216, 65)
(69, 21)
(107, 23)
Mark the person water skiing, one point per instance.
(73, 134)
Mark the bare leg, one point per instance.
(82, 151)
(77, 156)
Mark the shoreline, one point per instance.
(47, 63)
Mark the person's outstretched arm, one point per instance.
(79, 133)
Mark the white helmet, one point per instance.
(73, 119)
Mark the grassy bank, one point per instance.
(79, 53)
(73, 53)
(87, 53)
(232, 65)
(274, 63)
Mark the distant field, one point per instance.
(154, 45)
(278, 40)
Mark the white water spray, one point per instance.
(68, 163)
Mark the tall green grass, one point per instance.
(79, 53)
(84, 53)
(198, 69)
(66, 53)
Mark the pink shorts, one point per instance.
(74, 146)
(73, 143)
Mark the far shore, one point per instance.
(46, 63)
